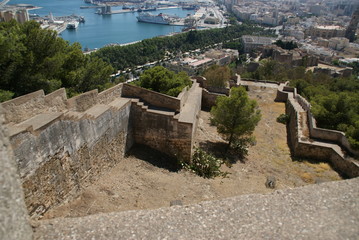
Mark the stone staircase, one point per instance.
(341, 157)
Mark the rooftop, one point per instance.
(327, 27)
(257, 39)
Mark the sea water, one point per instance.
(100, 30)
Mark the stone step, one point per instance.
(40, 121)
(97, 110)
(119, 103)
(153, 109)
(74, 116)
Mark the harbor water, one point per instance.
(100, 30)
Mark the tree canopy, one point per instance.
(217, 76)
(235, 116)
(286, 45)
(162, 80)
(32, 59)
(334, 101)
(154, 49)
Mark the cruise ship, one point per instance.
(157, 19)
(72, 25)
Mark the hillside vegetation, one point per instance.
(155, 49)
(32, 58)
(335, 101)
(162, 80)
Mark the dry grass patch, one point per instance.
(307, 177)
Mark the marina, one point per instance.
(119, 27)
(106, 10)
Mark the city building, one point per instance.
(295, 57)
(251, 43)
(338, 43)
(222, 56)
(19, 14)
(195, 64)
(326, 31)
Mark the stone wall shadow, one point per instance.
(217, 149)
(154, 157)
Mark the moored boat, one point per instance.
(72, 25)
(157, 19)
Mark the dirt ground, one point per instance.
(143, 181)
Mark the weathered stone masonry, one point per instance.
(14, 223)
(306, 140)
(61, 144)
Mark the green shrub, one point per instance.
(240, 146)
(164, 81)
(204, 164)
(283, 118)
(5, 95)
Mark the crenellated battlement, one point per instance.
(62, 144)
(306, 140)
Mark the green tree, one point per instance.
(286, 45)
(235, 116)
(217, 76)
(154, 49)
(33, 58)
(162, 80)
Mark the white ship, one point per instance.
(157, 19)
(72, 25)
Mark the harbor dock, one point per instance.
(110, 12)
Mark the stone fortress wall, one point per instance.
(165, 123)
(14, 222)
(60, 144)
(306, 140)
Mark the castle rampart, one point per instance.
(59, 150)
(27, 106)
(209, 98)
(14, 222)
(165, 129)
(151, 97)
(58, 161)
(326, 146)
(63, 144)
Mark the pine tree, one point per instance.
(235, 116)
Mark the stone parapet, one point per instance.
(29, 105)
(303, 146)
(152, 98)
(66, 153)
(14, 224)
(66, 143)
(319, 211)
